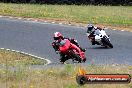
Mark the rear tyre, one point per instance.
(84, 59)
(110, 45)
(76, 56)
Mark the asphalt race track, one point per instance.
(36, 38)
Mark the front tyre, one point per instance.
(84, 59)
(107, 42)
(110, 45)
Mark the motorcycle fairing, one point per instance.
(65, 45)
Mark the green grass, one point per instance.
(112, 15)
(8, 58)
(59, 77)
(16, 72)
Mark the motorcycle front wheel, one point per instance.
(107, 42)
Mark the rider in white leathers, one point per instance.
(92, 31)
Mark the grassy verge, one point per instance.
(8, 58)
(106, 15)
(23, 76)
(58, 77)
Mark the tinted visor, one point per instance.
(56, 38)
(90, 28)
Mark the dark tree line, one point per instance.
(76, 2)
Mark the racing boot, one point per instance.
(63, 59)
(93, 42)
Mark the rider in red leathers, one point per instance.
(57, 39)
(92, 31)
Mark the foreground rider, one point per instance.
(57, 39)
(92, 31)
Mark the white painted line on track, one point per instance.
(28, 19)
(36, 20)
(17, 51)
(13, 50)
(60, 23)
(8, 49)
(46, 22)
(23, 52)
(10, 17)
(2, 48)
(52, 22)
(19, 18)
(48, 61)
(26, 53)
(122, 30)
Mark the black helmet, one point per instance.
(90, 28)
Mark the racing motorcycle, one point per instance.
(65, 47)
(101, 38)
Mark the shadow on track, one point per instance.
(98, 47)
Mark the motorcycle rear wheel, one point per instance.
(76, 56)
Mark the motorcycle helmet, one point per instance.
(90, 28)
(57, 36)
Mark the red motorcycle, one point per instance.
(72, 51)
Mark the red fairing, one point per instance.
(66, 46)
(78, 50)
(75, 47)
(82, 55)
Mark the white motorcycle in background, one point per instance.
(102, 38)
